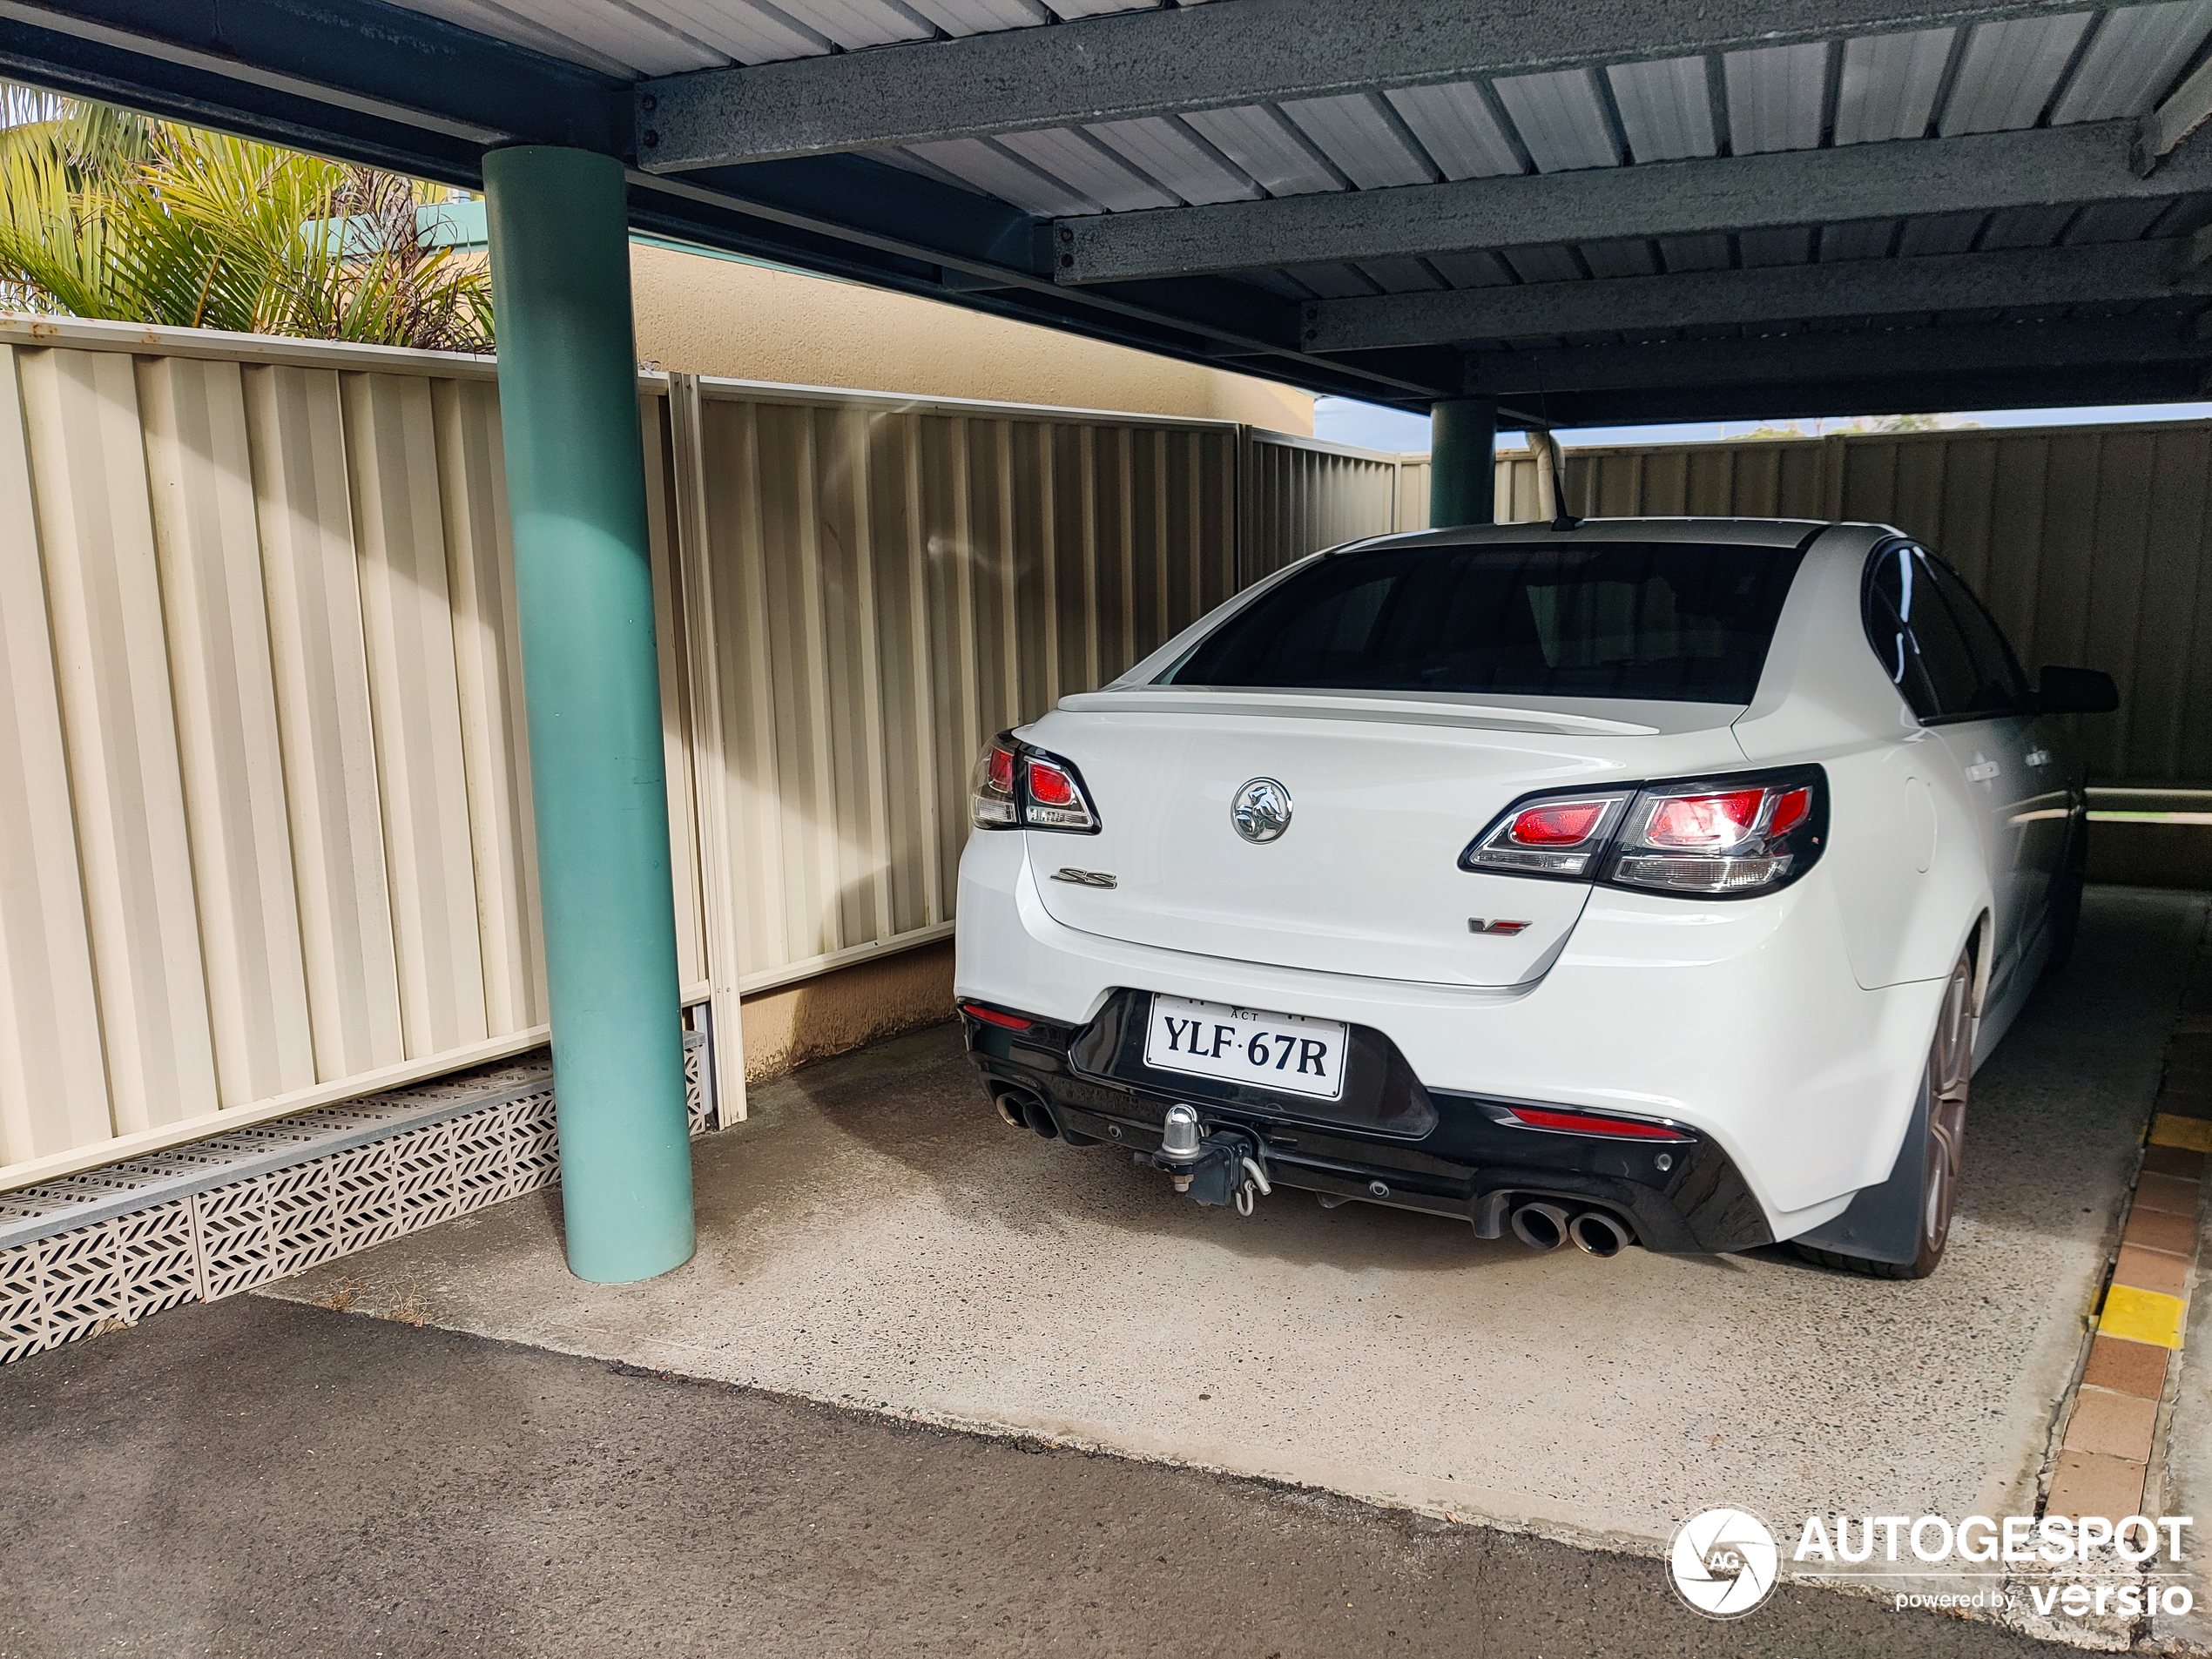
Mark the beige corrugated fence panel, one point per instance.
(871, 588)
(269, 841)
(297, 434)
(202, 489)
(2093, 546)
(407, 616)
(1302, 494)
(1411, 511)
(88, 466)
(53, 1082)
(488, 662)
(263, 707)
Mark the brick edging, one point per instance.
(2104, 1463)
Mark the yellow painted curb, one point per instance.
(2142, 1316)
(2193, 1025)
(2195, 1133)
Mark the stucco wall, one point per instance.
(816, 1018)
(702, 315)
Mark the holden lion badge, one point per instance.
(1261, 810)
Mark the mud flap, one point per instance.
(1883, 1224)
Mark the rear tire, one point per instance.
(1944, 1083)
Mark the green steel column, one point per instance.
(575, 492)
(1463, 440)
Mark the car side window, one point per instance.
(1999, 687)
(1938, 645)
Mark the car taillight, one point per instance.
(1559, 836)
(1557, 826)
(1728, 837)
(991, 803)
(1705, 823)
(1014, 786)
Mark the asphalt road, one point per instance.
(265, 1478)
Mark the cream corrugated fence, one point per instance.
(261, 713)
(1302, 494)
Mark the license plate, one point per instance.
(1286, 1052)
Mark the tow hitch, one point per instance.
(1223, 1167)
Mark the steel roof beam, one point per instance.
(1981, 173)
(1982, 349)
(2098, 274)
(1909, 394)
(1211, 57)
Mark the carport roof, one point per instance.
(1595, 211)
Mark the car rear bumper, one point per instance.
(1740, 1021)
(1678, 1196)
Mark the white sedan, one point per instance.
(1656, 881)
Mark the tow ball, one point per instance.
(1223, 1167)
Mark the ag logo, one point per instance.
(1723, 1563)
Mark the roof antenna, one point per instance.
(1551, 462)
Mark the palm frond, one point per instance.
(103, 213)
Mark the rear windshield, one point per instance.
(1671, 621)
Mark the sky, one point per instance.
(1342, 419)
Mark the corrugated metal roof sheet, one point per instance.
(2138, 53)
(1866, 239)
(958, 17)
(2080, 65)
(1666, 108)
(2115, 221)
(1400, 276)
(1560, 120)
(1333, 281)
(1791, 246)
(1363, 141)
(1544, 264)
(1620, 258)
(1939, 234)
(999, 173)
(1775, 96)
(1079, 160)
(856, 23)
(1454, 125)
(1694, 252)
(1888, 84)
(2009, 71)
(1260, 139)
(1073, 9)
(585, 31)
(2027, 227)
(1176, 156)
(1481, 270)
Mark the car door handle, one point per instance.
(1982, 771)
(2039, 756)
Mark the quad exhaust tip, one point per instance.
(1595, 1232)
(1540, 1226)
(1021, 1109)
(1598, 1234)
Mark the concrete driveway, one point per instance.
(874, 1236)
